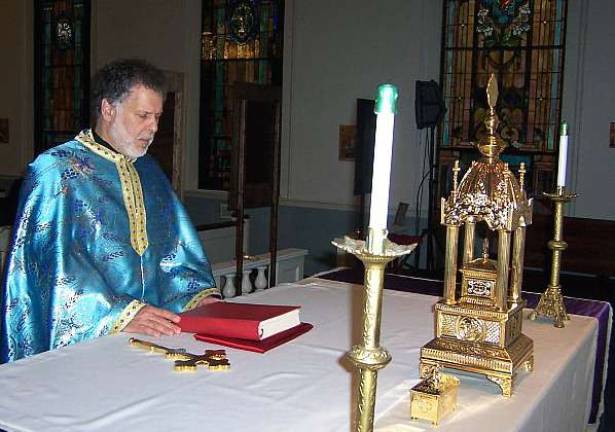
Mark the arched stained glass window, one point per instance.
(241, 41)
(522, 43)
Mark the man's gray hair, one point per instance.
(115, 80)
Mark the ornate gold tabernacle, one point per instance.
(481, 331)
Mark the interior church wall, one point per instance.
(15, 85)
(342, 51)
(589, 100)
(335, 52)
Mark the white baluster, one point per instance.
(246, 284)
(229, 285)
(261, 280)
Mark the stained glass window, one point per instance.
(522, 43)
(241, 41)
(62, 46)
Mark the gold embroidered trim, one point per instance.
(127, 315)
(132, 192)
(194, 301)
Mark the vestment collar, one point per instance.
(86, 137)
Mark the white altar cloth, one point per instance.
(305, 385)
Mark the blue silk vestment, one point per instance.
(97, 237)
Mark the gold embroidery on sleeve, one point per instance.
(194, 301)
(127, 315)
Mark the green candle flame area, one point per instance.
(386, 100)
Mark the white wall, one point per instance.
(340, 51)
(16, 24)
(589, 100)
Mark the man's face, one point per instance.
(133, 122)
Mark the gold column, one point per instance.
(369, 357)
(468, 243)
(501, 283)
(517, 265)
(450, 263)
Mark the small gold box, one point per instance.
(428, 402)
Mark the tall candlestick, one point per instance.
(563, 155)
(385, 110)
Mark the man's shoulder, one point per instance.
(54, 156)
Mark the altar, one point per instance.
(305, 385)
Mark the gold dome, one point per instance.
(492, 180)
(488, 191)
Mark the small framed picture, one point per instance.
(612, 135)
(348, 140)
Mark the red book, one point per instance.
(257, 346)
(240, 320)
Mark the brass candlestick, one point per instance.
(551, 304)
(369, 357)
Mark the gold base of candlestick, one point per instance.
(369, 357)
(551, 303)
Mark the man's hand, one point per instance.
(154, 321)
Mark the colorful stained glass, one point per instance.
(61, 70)
(522, 43)
(241, 41)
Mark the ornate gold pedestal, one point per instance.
(473, 340)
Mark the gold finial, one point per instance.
(456, 170)
(522, 172)
(492, 92)
(485, 249)
(491, 145)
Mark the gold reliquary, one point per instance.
(434, 398)
(480, 330)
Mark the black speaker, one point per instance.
(364, 150)
(429, 104)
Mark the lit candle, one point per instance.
(563, 155)
(385, 110)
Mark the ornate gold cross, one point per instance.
(215, 360)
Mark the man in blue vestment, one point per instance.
(101, 244)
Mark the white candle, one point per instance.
(383, 151)
(563, 156)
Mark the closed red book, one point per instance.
(240, 320)
(261, 346)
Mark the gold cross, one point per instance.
(215, 360)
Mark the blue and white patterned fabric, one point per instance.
(97, 237)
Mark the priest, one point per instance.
(101, 244)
